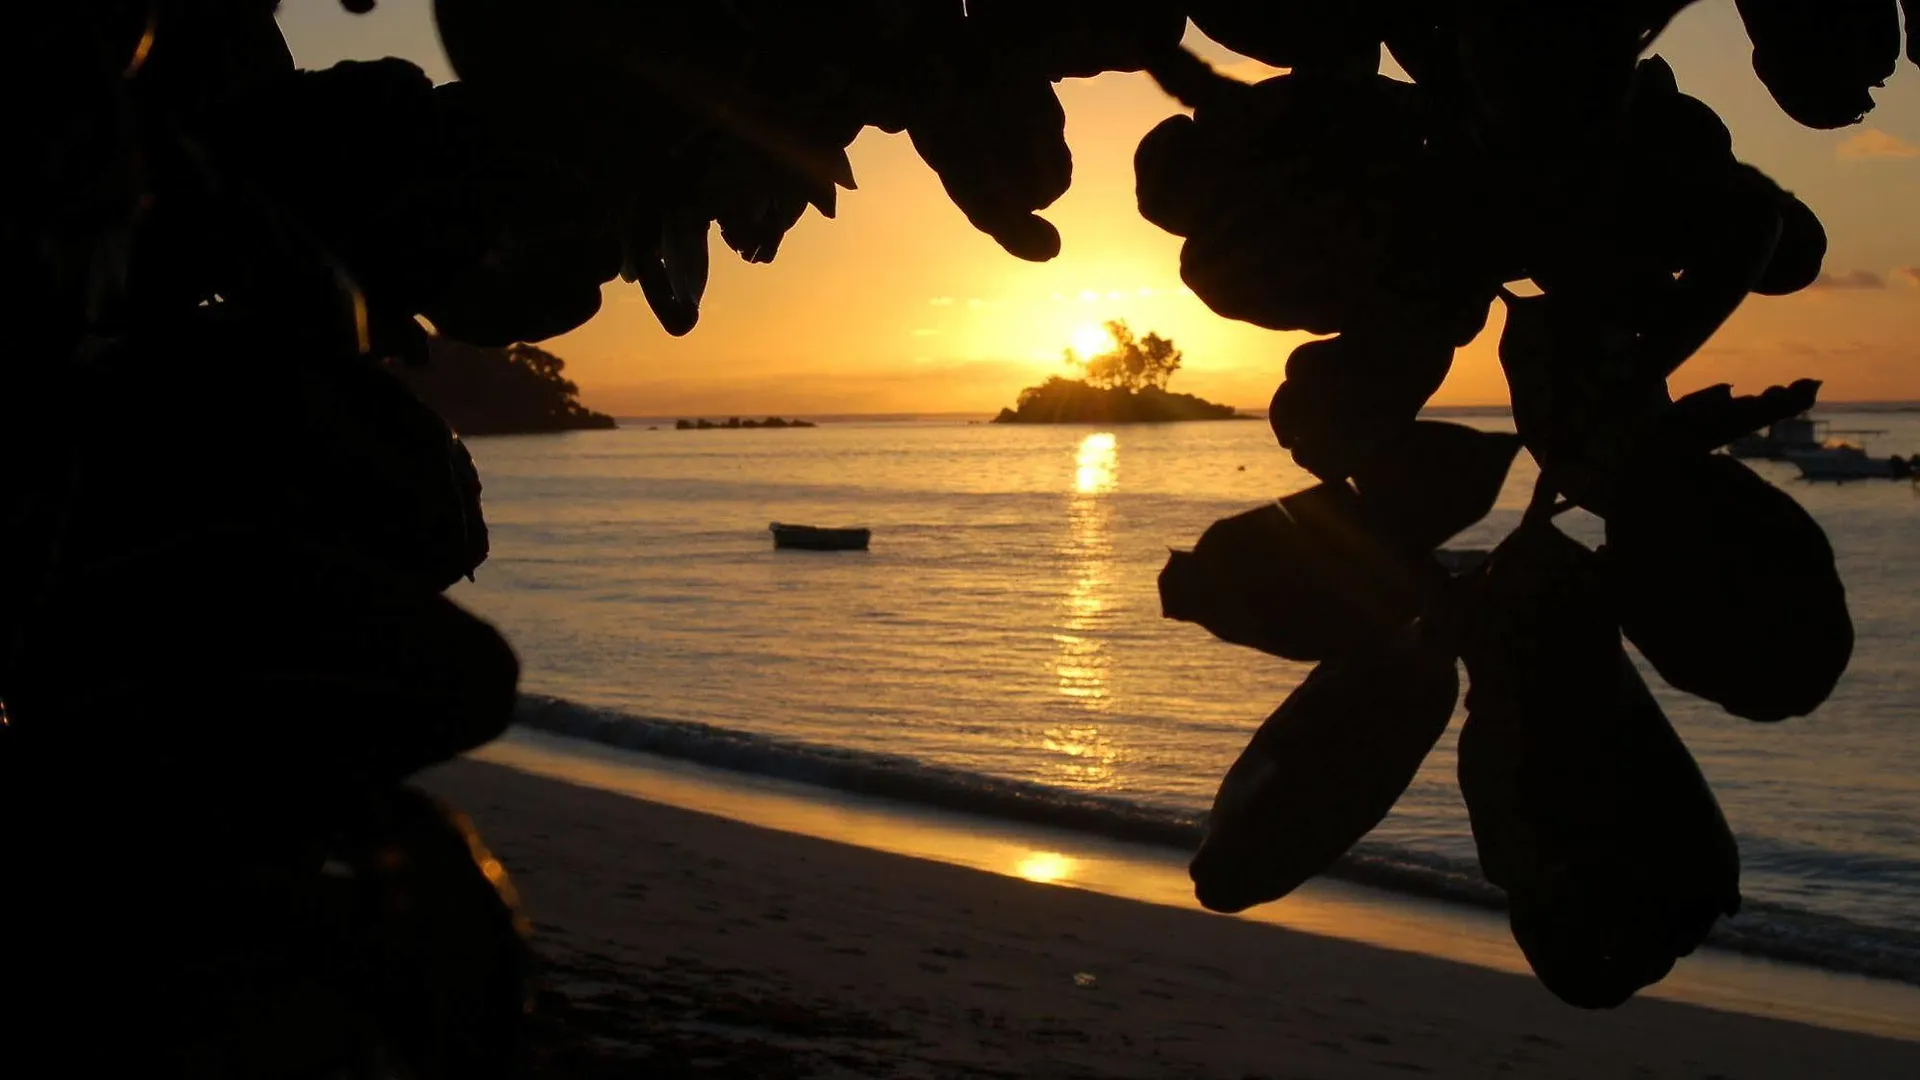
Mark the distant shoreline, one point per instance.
(1250, 412)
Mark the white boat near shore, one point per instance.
(1843, 461)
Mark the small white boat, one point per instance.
(1842, 461)
(814, 538)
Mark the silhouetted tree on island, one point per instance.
(1127, 384)
(227, 644)
(515, 390)
(1133, 363)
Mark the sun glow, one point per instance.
(1091, 340)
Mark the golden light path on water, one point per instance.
(1085, 756)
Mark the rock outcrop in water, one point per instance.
(734, 423)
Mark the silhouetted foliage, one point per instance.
(517, 390)
(1127, 384)
(1134, 363)
(215, 256)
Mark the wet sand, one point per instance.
(679, 943)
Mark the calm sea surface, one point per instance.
(1005, 625)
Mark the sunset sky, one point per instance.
(898, 305)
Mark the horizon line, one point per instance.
(1880, 404)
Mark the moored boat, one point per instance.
(815, 538)
(1843, 461)
(1795, 434)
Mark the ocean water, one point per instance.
(1000, 649)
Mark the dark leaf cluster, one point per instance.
(229, 525)
(1540, 156)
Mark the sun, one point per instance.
(1091, 340)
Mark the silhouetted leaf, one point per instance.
(1819, 58)
(1728, 586)
(1586, 807)
(1345, 397)
(1169, 194)
(1323, 770)
(1434, 480)
(1313, 36)
(1733, 228)
(1711, 418)
(311, 666)
(999, 145)
(1300, 578)
(1798, 256)
(1573, 379)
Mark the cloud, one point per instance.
(941, 301)
(1876, 145)
(1853, 279)
(1908, 274)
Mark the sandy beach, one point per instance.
(680, 943)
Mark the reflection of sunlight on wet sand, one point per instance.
(1158, 875)
(1045, 867)
(1086, 757)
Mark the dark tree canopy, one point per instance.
(518, 390)
(1134, 363)
(197, 228)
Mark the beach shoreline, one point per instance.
(672, 935)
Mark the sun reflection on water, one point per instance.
(1081, 754)
(1098, 462)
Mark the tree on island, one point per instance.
(1127, 384)
(516, 390)
(1133, 364)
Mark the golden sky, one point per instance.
(898, 305)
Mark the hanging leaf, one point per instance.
(1301, 578)
(1586, 808)
(1346, 397)
(1323, 770)
(1820, 58)
(1708, 563)
(1433, 481)
(1798, 256)
(312, 667)
(999, 145)
(1334, 37)
(1709, 419)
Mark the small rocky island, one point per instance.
(1125, 385)
(1074, 401)
(518, 390)
(736, 423)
